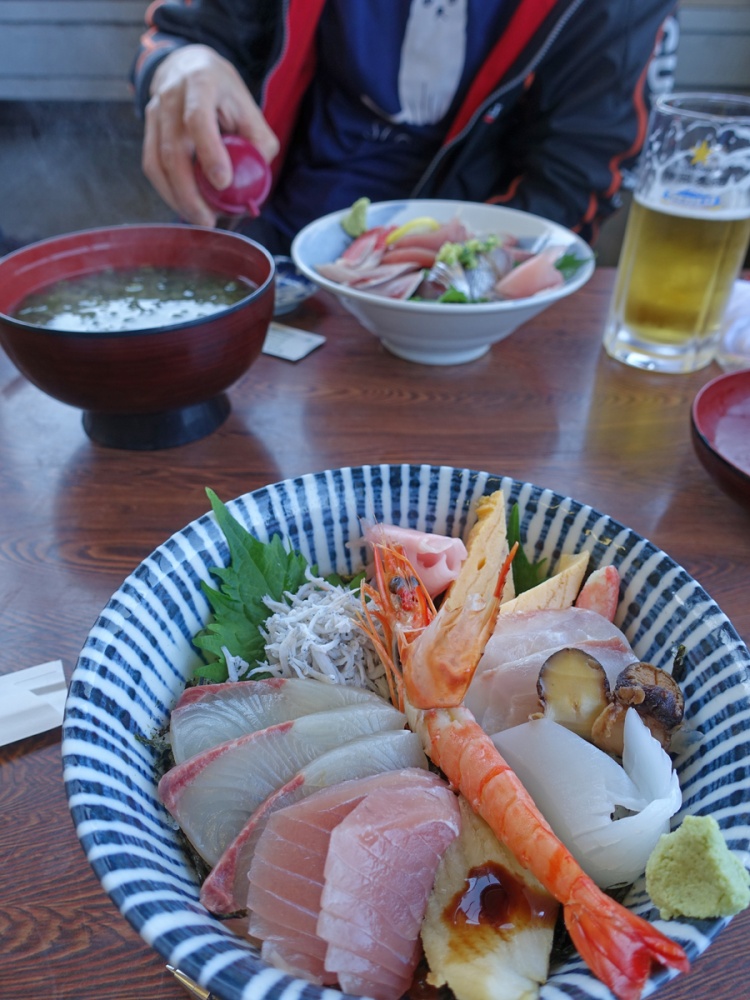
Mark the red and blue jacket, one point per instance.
(554, 116)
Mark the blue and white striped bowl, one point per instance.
(138, 655)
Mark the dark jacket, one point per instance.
(556, 111)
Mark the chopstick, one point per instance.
(199, 992)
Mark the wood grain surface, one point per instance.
(546, 405)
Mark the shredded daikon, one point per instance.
(314, 633)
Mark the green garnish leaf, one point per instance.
(569, 264)
(354, 223)
(256, 570)
(452, 294)
(525, 574)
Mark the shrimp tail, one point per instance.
(618, 946)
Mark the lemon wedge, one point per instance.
(424, 222)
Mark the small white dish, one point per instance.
(292, 287)
(435, 333)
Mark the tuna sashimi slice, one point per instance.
(379, 872)
(534, 275)
(225, 889)
(503, 691)
(214, 713)
(214, 793)
(286, 875)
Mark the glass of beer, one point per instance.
(687, 234)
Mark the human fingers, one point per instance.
(181, 116)
(167, 161)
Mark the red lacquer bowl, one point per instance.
(720, 426)
(140, 389)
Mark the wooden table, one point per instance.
(547, 406)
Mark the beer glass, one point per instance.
(687, 234)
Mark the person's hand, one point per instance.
(195, 95)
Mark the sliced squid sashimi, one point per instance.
(214, 713)
(214, 793)
(503, 691)
(534, 275)
(286, 877)
(225, 889)
(436, 558)
(379, 872)
(578, 788)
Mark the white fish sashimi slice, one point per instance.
(503, 691)
(385, 854)
(214, 713)
(213, 794)
(286, 876)
(225, 889)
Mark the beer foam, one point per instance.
(689, 204)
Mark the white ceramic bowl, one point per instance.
(433, 333)
(138, 656)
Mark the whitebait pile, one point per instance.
(314, 633)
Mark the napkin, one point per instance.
(734, 348)
(32, 701)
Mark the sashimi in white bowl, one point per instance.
(140, 654)
(433, 332)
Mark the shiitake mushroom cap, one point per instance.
(653, 693)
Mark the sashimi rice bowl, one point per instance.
(440, 281)
(408, 730)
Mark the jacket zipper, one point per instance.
(496, 94)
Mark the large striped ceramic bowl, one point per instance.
(138, 654)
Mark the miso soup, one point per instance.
(131, 299)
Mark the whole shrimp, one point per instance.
(430, 658)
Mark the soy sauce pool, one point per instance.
(139, 298)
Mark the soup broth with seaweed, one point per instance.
(139, 298)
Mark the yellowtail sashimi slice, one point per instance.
(213, 794)
(503, 692)
(225, 889)
(286, 877)
(379, 871)
(214, 713)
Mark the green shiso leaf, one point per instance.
(569, 264)
(525, 574)
(256, 570)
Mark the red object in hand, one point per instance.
(251, 180)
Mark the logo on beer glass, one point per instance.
(695, 164)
